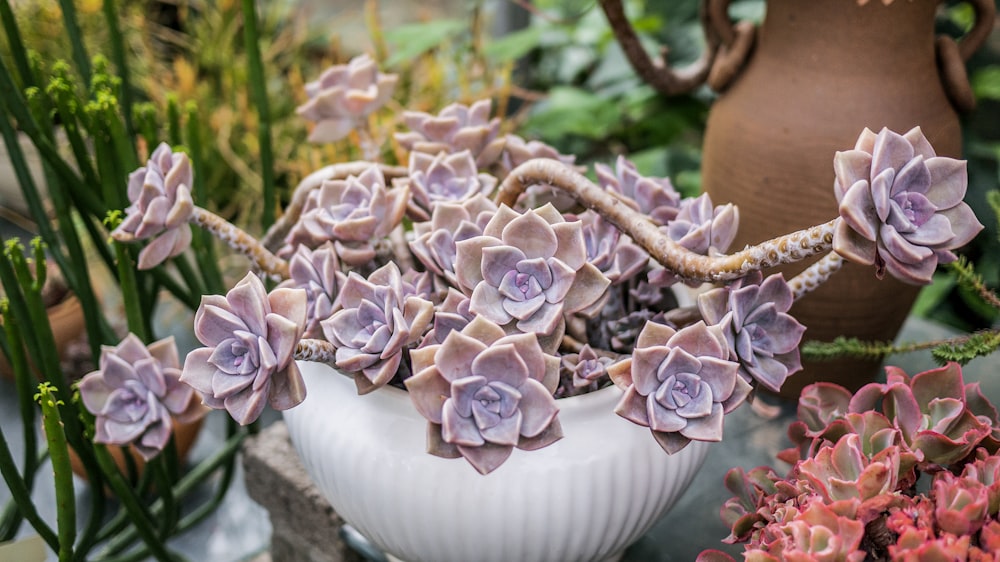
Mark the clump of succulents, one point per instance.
(490, 276)
(900, 471)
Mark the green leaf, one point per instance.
(513, 45)
(986, 83)
(414, 39)
(934, 294)
(572, 111)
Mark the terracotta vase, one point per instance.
(819, 73)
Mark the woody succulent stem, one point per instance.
(240, 241)
(815, 275)
(789, 248)
(320, 351)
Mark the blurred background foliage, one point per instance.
(552, 68)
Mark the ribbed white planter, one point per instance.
(586, 497)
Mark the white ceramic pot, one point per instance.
(586, 497)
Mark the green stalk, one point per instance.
(14, 104)
(97, 329)
(61, 471)
(130, 294)
(118, 53)
(16, 45)
(139, 515)
(226, 454)
(80, 57)
(203, 241)
(168, 519)
(22, 496)
(258, 89)
(23, 376)
(173, 120)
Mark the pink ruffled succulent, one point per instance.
(845, 471)
(434, 242)
(528, 270)
(961, 504)
(318, 273)
(344, 94)
(929, 409)
(160, 197)
(443, 178)
(136, 395)
(378, 319)
(816, 534)
(458, 127)
(250, 338)
(901, 205)
(354, 213)
(654, 197)
(484, 392)
(679, 383)
(760, 333)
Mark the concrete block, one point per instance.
(306, 528)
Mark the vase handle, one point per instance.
(735, 43)
(952, 55)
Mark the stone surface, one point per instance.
(305, 527)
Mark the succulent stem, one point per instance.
(788, 248)
(276, 234)
(240, 241)
(320, 351)
(815, 275)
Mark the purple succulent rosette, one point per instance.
(136, 394)
(760, 332)
(587, 366)
(901, 205)
(354, 213)
(434, 241)
(655, 197)
(616, 255)
(458, 127)
(452, 315)
(517, 151)
(484, 392)
(377, 320)
(443, 178)
(703, 228)
(528, 270)
(250, 337)
(318, 273)
(160, 197)
(342, 95)
(679, 383)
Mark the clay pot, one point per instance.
(820, 72)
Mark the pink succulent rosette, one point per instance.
(136, 394)
(760, 333)
(484, 392)
(901, 205)
(160, 197)
(343, 94)
(655, 197)
(250, 338)
(318, 273)
(679, 384)
(443, 178)
(434, 242)
(354, 214)
(528, 270)
(377, 319)
(456, 128)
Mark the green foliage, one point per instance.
(968, 348)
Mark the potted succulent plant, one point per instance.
(902, 470)
(491, 303)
